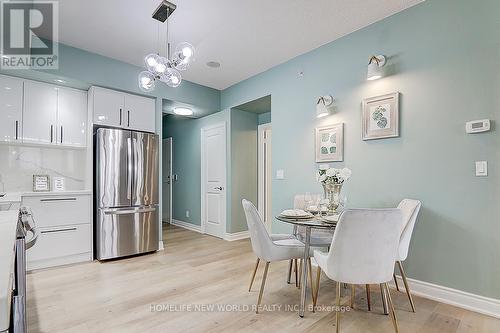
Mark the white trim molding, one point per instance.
(461, 299)
(186, 225)
(236, 236)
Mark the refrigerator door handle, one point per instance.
(128, 211)
(130, 168)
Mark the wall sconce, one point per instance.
(322, 106)
(375, 67)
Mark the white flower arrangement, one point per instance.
(327, 175)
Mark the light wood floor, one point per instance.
(198, 269)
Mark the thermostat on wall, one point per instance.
(477, 126)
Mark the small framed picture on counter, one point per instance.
(59, 184)
(41, 183)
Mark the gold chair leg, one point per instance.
(337, 314)
(263, 283)
(395, 281)
(289, 276)
(391, 306)
(353, 295)
(384, 299)
(368, 297)
(318, 278)
(296, 273)
(403, 275)
(253, 275)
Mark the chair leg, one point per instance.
(384, 300)
(296, 273)
(263, 283)
(253, 275)
(391, 306)
(353, 295)
(403, 274)
(368, 297)
(289, 276)
(300, 273)
(337, 314)
(318, 278)
(395, 281)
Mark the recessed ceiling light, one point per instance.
(60, 81)
(213, 64)
(183, 111)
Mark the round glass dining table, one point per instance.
(315, 222)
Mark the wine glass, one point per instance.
(319, 204)
(342, 202)
(307, 201)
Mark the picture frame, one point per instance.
(41, 183)
(380, 117)
(329, 143)
(59, 184)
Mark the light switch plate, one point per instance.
(280, 174)
(481, 168)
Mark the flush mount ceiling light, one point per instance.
(183, 111)
(322, 106)
(165, 69)
(375, 67)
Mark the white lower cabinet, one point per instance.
(64, 222)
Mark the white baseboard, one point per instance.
(186, 225)
(236, 235)
(461, 299)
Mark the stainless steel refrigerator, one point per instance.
(126, 193)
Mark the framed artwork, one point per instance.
(330, 143)
(381, 117)
(59, 184)
(41, 183)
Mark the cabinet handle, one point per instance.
(17, 129)
(128, 118)
(57, 230)
(51, 133)
(57, 199)
(61, 134)
(120, 116)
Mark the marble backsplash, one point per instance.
(18, 164)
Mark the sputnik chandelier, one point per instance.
(165, 69)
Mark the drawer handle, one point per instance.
(58, 230)
(57, 199)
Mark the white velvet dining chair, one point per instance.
(410, 209)
(363, 251)
(267, 249)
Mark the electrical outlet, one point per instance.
(187, 213)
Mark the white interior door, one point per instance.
(167, 180)
(213, 175)
(264, 173)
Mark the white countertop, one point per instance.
(8, 225)
(11, 197)
(43, 194)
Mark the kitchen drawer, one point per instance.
(57, 210)
(61, 241)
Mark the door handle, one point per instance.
(218, 188)
(120, 116)
(128, 118)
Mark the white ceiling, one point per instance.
(246, 36)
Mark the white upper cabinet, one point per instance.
(71, 117)
(11, 109)
(140, 113)
(117, 109)
(108, 107)
(40, 113)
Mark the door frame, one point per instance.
(203, 178)
(171, 187)
(262, 190)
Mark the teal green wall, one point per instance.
(243, 165)
(264, 118)
(186, 138)
(444, 58)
